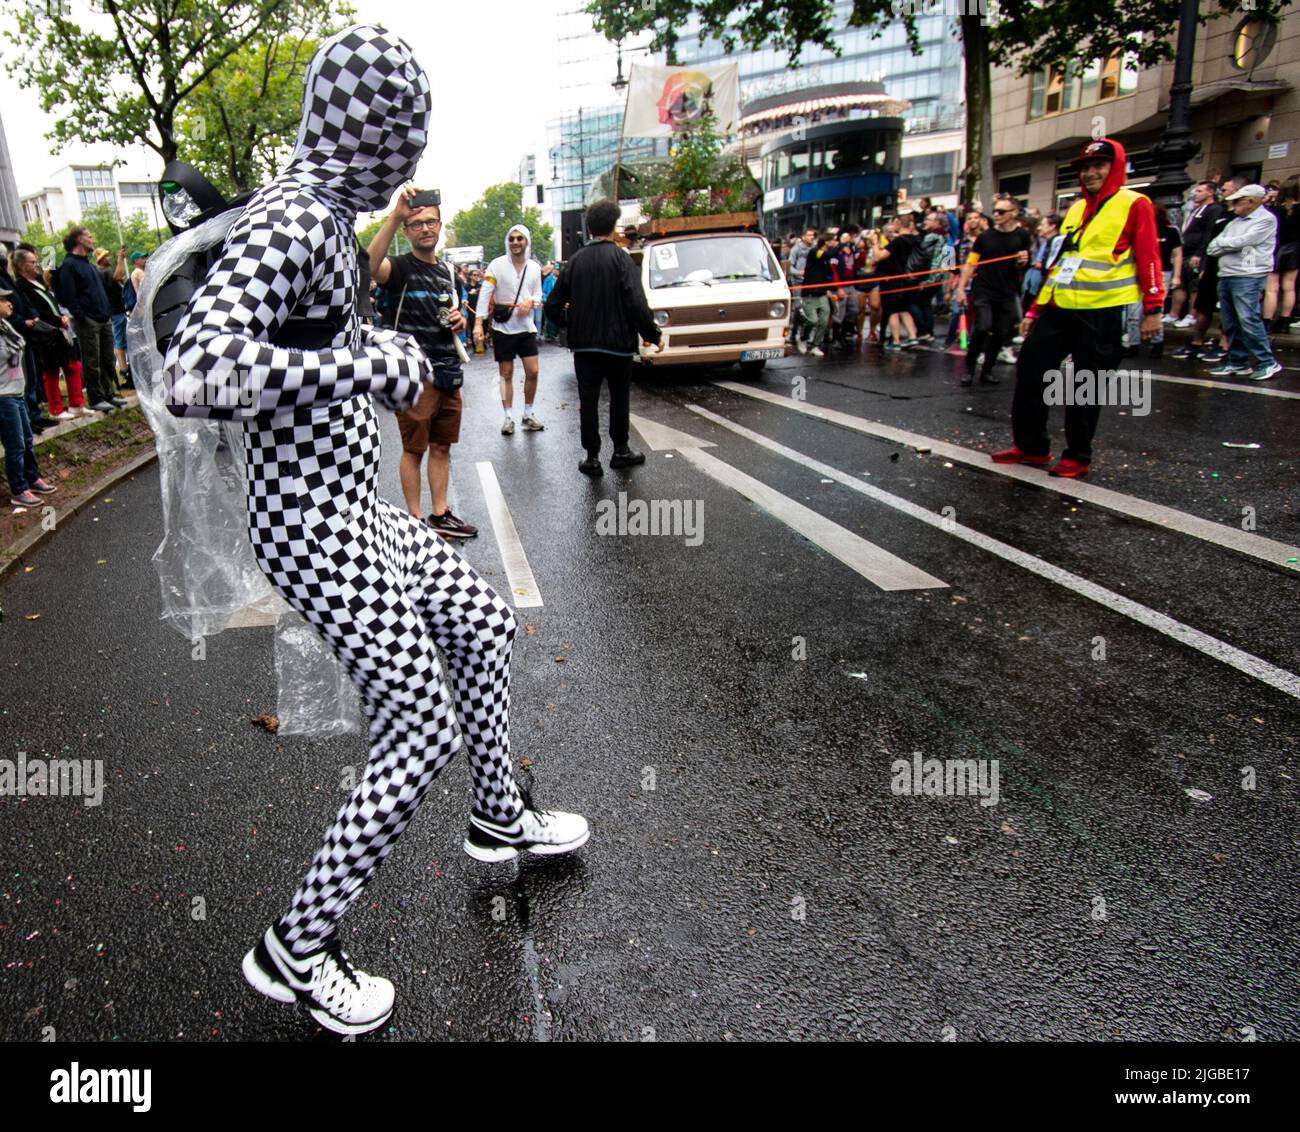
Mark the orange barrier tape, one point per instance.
(872, 279)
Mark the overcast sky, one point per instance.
(492, 68)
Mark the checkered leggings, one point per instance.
(385, 593)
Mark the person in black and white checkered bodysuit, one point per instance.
(383, 591)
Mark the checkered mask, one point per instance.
(365, 118)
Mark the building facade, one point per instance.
(1245, 111)
(73, 189)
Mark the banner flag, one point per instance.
(662, 101)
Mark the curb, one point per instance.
(32, 539)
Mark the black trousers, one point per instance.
(1093, 338)
(593, 369)
(994, 325)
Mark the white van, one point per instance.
(719, 297)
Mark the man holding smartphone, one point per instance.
(427, 304)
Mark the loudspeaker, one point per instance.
(571, 232)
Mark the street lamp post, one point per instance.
(1176, 146)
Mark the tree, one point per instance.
(136, 232)
(242, 122)
(135, 84)
(488, 220)
(1031, 36)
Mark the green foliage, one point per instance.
(784, 25)
(137, 233)
(487, 221)
(140, 81)
(240, 125)
(696, 180)
(1030, 35)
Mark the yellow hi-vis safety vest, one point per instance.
(1102, 279)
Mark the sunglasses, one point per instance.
(518, 240)
(1002, 211)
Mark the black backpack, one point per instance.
(172, 296)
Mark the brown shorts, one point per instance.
(433, 419)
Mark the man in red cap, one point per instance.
(1109, 258)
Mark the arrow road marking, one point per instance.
(1265, 549)
(874, 563)
(1279, 678)
(519, 575)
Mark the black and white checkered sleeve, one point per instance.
(285, 255)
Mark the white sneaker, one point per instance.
(801, 346)
(83, 411)
(1007, 355)
(1186, 321)
(545, 832)
(1169, 320)
(66, 415)
(1264, 372)
(337, 995)
(817, 352)
(508, 427)
(532, 424)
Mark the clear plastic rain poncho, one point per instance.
(210, 579)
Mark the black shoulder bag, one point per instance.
(501, 311)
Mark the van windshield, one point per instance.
(706, 263)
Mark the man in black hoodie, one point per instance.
(600, 299)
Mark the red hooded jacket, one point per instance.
(1139, 234)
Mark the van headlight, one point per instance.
(776, 310)
(661, 318)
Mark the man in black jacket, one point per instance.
(81, 289)
(599, 298)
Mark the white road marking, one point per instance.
(1265, 549)
(877, 565)
(659, 436)
(1254, 387)
(523, 586)
(1247, 663)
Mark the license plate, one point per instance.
(760, 355)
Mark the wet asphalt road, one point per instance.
(771, 884)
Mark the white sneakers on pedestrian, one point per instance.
(817, 352)
(82, 411)
(544, 832)
(337, 995)
(532, 424)
(508, 426)
(1186, 321)
(66, 415)
(801, 346)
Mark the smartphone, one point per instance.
(426, 199)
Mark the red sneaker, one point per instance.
(1069, 469)
(1013, 455)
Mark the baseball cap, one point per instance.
(4, 294)
(139, 255)
(1102, 150)
(1257, 191)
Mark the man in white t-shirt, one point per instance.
(513, 280)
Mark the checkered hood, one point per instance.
(365, 119)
